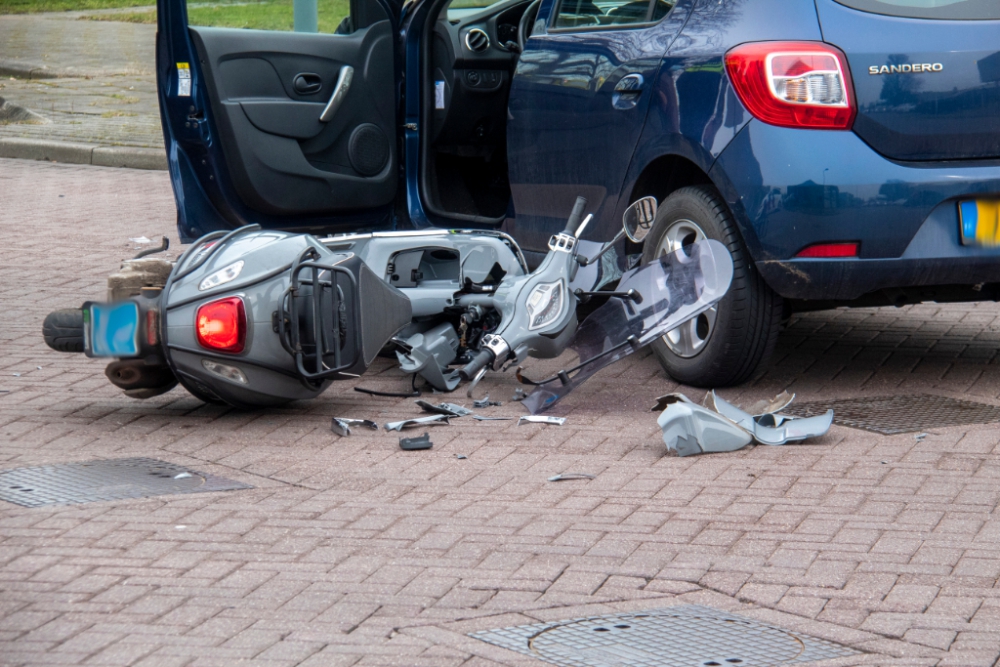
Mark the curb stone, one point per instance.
(105, 156)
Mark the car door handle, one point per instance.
(307, 83)
(630, 84)
(339, 93)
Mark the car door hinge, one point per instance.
(411, 126)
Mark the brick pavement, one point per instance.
(352, 552)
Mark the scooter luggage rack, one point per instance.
(290, 333)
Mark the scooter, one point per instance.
(254, 317)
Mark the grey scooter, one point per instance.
(255, 318)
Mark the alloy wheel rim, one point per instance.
(690, 338)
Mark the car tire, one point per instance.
(727, 344)
(63, 330)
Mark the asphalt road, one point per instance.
(348, 551)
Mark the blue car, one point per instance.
(846, 151)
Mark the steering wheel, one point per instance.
(527, 22)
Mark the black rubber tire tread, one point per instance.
(63, 330)
(750, 314)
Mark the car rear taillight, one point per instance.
(222, 325)
(828, 250)
(794, 84)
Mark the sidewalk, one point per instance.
(349, 552)
(90, 85)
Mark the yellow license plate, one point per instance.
(979, 221)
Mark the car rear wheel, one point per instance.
(724, 345)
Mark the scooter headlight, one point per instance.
(545, 304)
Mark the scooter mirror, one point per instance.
(639, 218)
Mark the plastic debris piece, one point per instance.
(485, 402)
(418, 421)
(773, 429)
(140, 239)
(776, 404)
(17, 375)
(519, 395)
(38, 368)
(542, 419)
(567, 476)
(417, 443)
(480, 418)
(461, 456)
(689, 428)
(342, 425)
(182, 475)
(920, 436)
(449, 409)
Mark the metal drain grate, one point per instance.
(683, 636)
(900, 414)
(116, 479)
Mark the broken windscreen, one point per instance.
(671, 290)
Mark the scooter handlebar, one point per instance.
(576, 216)
(471, 369)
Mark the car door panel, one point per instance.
(577, 108)
(295, 120)
(281, 158)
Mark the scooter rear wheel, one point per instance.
(63, 330)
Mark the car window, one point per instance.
(458, 9)
(317, 16)
(583, 14)
(929, 9)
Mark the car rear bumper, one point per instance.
(790, 189)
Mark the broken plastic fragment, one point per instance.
(566, 476)
(920, 436)
(432, 419)
(182, 475)
(449, 409)
(485, 402)
(776, 404)
(139, 239)
(461, 456)
(17, 375)
(480, 418)
(417, 443)
(689, 428)
(342, 425)
(542, 419)
(772, 429)
(519, 395)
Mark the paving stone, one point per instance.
(376, 544)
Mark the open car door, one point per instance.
(288, 128)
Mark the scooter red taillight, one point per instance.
(222, 325)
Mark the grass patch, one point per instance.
(35, 6)
(273, 15)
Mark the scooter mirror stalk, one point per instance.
(639, 218)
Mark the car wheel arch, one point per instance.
(670, 172)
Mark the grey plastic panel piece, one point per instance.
(429, 356)
(782, 429)
(690, 429)
(279, 163)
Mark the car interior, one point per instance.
(467, 76)
(467, 73)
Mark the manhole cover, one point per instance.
(684, 636)
(116, 479)
(900, 414)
